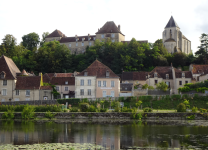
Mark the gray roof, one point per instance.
(126, 86)
(171, 23)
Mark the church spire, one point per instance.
(171, 23)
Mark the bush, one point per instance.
(125, 109)
(181, 107)
(194, 109)
(147, 109)
(72, 101)
(202, 110)
(19, 108)
(49, 115)
(103, 110)
(136, 116)
(74, 109)
(28, 112)
(8, 115)
(192, 117)
(84, 107)
(91, 108)
(117, 107)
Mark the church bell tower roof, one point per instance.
(171, 23)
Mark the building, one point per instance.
(174, 40)
(8, 78)
(199, 72)
(126, 89)
(103, 82)
(137, 78)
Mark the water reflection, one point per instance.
(113, 137)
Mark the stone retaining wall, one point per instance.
(147, 116)
(31, 102)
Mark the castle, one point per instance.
(174, 40)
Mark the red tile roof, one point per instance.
(161, 72)
(73, 39)
(46, 88)
(178, 74)
(134, 75)
(99, 70)
(199, 69)
(56, 33)
(28, 82)
(109, 27)
(8, 66)
(62, 80)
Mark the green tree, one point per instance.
(162, 49)
(8, 45)
(31, 41)
(162, 86)
(44, 35)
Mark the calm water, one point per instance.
(111, 136)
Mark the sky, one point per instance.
(139, 19)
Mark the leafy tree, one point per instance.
(31, 41)
(44, 35)
(162, 49)
(179, 59)
(8, 45)
(162, 86)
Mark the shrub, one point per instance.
(19, 108)
(8, 115)
(190, 117)
(147, 109)
(84, 107)
(181, 107)
(72, 101)
(136, 116)
(49, 115)
(202, 110)
(103, 110)
(125, 109)
(194, 109)
(74, 109)
(91, 108)
(28, 112)
(117, 107)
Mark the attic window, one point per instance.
(85, 73)
(83, 39)
(167, 76)
(183, 74)
(2, 75)
(89, 38)
(155, 74)
(66, 82)
(107, 74)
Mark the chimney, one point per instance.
(119, 27)
(88, 34)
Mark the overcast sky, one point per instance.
(141, 19)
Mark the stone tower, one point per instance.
(174, 40)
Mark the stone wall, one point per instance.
(148, 116)
(31, 102)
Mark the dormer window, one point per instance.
(66, 82)
(89, 38)
(155, 74)
(167, 76)
(3, 75)
(77, 39)
(107, 74)
(183, 74)
(83, 39)
(85, 73)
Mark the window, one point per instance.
(183, 74)
(82, 82)
(89, 92)
(85, 73)
(107, 73)
(155, 81)
(104, 83)
(113, 40)
(168, 84)
(4, 82)
(82, 43)
(3, 100)
(81, 91)
(83, 39)
(27, 92)
(69, 45)
(186, 82)
(66, 82)
(76, 44)
(57, 88)
(2, 75)
(16, 99)
(112, 35)
(167, 76)
(89, 82)
(66, 88)
(4, 92)
(89, 43)
(112, 93)
(180, 82)
(17, 92)
(94, 38)
(89, 38)
(112, 84)
(104, 93)
(102, 35)
(155, 74)
(99, 83)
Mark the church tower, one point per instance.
(173, 39)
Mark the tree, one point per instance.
(8, 45)
(179, 59)
(44, 35)
(31, 41)
(162, 86)
(162, 49)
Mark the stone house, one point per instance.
(104, 82)
(126, 89)
(199, 72)
(8, 78)
(137, 78)
(174, 40)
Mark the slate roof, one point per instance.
(73, 39)
(47, 77)
(99, 70)
(199, 69)
(126, 86)
(109, 27)
(134, 76)
(62, 80)
(28, 82)
(8, 67)
(171, 23)
(161, 72)
(56, 33)
(178, 74)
